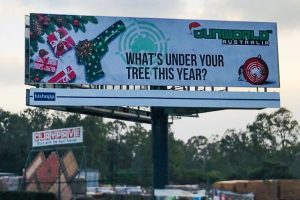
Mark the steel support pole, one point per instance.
(159, 147)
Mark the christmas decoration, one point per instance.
(45, 64)
(43, 52)
(41, 24)
(255, 70)
(59, 20)
(60, 41)
(194, 25)
(36, 76)
(64, 76)
(37, 28)
(42, 65)
(73, 22)
(43, 19)
(90, 52)
(76, 23)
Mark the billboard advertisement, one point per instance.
(57, 137)
(159, 98)
(69, 49)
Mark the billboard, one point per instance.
(159, 98)
(69, 49)
(57, 137)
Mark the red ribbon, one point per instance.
(45, 65)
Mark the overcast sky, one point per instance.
(285, 13)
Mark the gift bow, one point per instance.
(67, 70)
(66, 78)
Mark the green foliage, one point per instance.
(271, 170)
(42, 24)
(15, 138)
(268, 148)
(213, 176)
(92, 19)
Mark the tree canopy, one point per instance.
(268, 148)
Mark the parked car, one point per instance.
(127, 190)
(134, 190)
(121, 189)
(104, 190)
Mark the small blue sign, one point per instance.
(44, 96)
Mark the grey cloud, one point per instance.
(154, 8)
(12, 73)
(285, 13)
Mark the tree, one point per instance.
(234, 147)
(197, 147)
(115, 150)
(268, 148)
(38, 119)
(261, 135)
(138, 142)
(95, 138)
(58, 120)
(284, 128)
(15, 141)
(177, 159)
(271, 170)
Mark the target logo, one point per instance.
(255, 70)
(142, 37)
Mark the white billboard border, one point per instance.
(157, 98)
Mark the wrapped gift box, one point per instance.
(45, 64)
(60, 41)
(64, 76)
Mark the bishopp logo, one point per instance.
(44, 96)
(231, 36)
(139, 39)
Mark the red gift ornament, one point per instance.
(255, 70)
(45, 64)
(76, 22)
(60, 41)
(43, 52)
(43, 19)
(64, 76)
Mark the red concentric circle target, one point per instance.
(255, 70)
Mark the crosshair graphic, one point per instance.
(142, 37)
